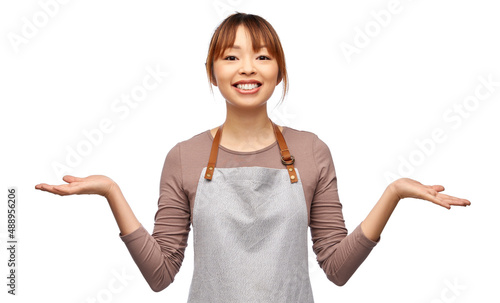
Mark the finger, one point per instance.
(437, 201)
(69, 178)
(39, 186)
(454, 200)
(74, 188)
(437, 188)
(42, 186)
(54, 189)
(51, 189)
(46, 187)
(63, 189)
(458, 202)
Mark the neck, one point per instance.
(247, 129)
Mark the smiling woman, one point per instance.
(259, 36)
(250, 192)
(244, 74)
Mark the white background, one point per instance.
(369, 107)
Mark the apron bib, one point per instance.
(250, 233)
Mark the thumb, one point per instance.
(437, 188)
(69, 178)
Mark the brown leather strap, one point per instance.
(286, 158)
(213, 154)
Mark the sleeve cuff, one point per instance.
(361, 237)
(138, 233)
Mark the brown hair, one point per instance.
(260, 31)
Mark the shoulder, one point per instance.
(187, 157)
(296, 135)
(305, 139)
(308, 145)
(193, 152)
(195, 142)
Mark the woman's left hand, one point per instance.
(409, 188)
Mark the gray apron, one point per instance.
(250, 233)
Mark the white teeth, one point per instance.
(247, 86)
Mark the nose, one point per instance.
(247, 67)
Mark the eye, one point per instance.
(264, 58)
(230, 58)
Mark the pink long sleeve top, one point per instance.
(159, 255)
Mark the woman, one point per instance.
(250, 189)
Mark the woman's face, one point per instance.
(246, 78)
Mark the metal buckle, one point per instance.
(289, 162)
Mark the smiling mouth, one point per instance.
(247, 86)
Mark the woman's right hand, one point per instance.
(95, 184)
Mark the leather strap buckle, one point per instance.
(288, 162)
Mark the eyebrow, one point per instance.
(239, 47)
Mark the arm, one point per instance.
(374, 223)
(124, 216)
(340, 254)
(158, 255)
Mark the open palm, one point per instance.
(94, 184)
(409, 188)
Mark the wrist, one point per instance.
(113, 189)
(393, 192)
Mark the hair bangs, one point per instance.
(259, 33)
